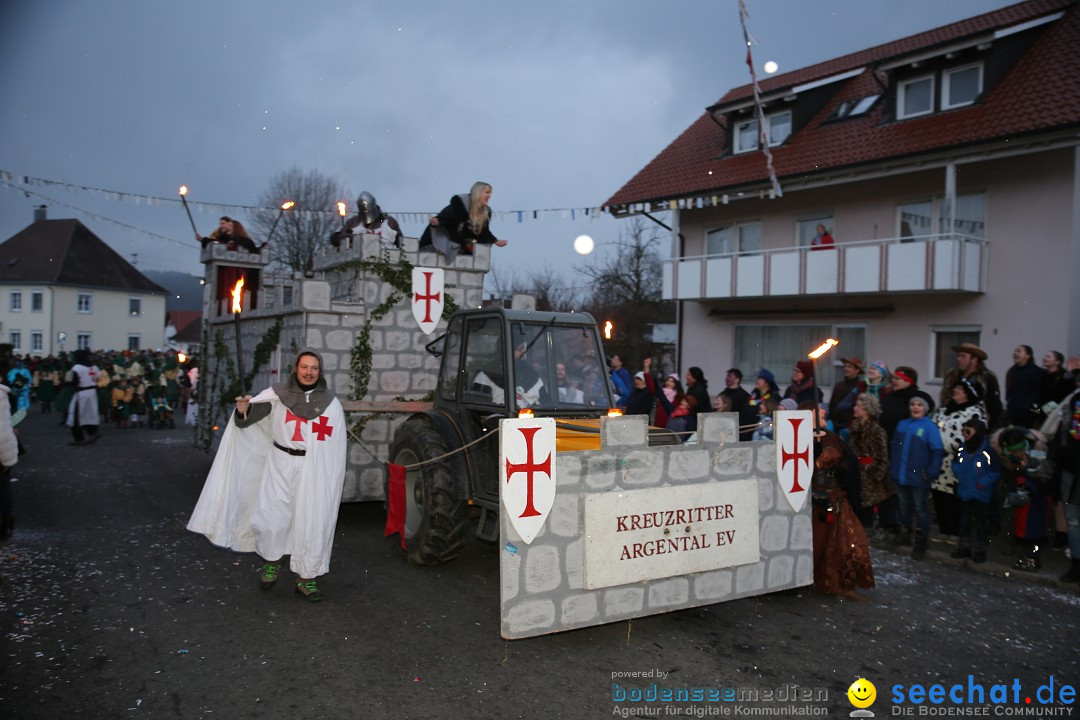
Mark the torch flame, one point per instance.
(823, 348)
(183, 190)
(341, 209)
(237, 295)
(287, 205)
(181, 357)
(607, 329)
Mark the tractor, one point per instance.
(495, 363)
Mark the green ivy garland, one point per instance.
(260, 357)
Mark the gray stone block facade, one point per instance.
(542, 584)
(326, 311)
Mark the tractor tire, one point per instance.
(436, 515)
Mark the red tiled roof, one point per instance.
(1040, 92)
(186, 323)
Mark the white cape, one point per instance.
(231, 492)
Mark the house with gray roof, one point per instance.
(63, 288)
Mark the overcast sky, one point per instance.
(555, 103)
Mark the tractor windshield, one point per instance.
(558, 367)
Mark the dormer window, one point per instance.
(746, 132)
(961, 86)
(915, 97)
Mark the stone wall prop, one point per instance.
(545, 587)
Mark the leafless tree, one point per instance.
(304, 227)
(626, 288)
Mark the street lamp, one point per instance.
(821, 350)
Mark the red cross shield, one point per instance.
(793, 432)
(428, 297)
(527, 473)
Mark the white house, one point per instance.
(63, 288)
(945, 166)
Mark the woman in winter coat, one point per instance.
(462, 223)
(964, 404)
(871, 446)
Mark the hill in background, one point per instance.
(185, 292)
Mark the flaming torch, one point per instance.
(821, 350)
(183, 199)
(341, 211)
(287, 205)
(237, 305)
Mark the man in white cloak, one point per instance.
(277, 478)
(83, 412)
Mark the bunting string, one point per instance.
(94, 216)
(25, 181)
(763, 131)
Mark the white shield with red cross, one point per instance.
(527, 473)
(793, 432)
(428, 297)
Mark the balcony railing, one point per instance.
(927, 263)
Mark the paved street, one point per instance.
(111, 609)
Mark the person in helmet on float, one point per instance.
(374, 221)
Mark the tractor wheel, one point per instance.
(436, 517)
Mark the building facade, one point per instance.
(944, 168)
(62, 288)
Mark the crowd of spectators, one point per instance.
(958, 468)
(133, 389)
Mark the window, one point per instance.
(134, 309)
(806, 229)
(779, 127)
(485, 363)
(746, 136)
(853, 108)
(915, 97)
(133, 342)
(918, 219)
(944, 339)
(15, 338)
(969, 216)
(776, 347)
(37, 301)
(84, 302)
(961, 86)
(36, 342)
(82, 341)
(16, 301)
(743, 239)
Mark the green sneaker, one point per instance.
(309, 590)
(269, 575)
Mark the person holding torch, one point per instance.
(277, 478)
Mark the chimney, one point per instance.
(40, 213)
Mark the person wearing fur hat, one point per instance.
(963, 405)
(842, 401)
(915, 457)
(971, 364)
(803, 387)
(277, 478)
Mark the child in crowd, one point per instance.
(977, 470)
(766, 408)
(914, 461)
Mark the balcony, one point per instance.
(924, 264)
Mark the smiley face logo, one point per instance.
(862, 693)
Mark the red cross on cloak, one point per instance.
(528, 467)
(322, 428)
(297, 436)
